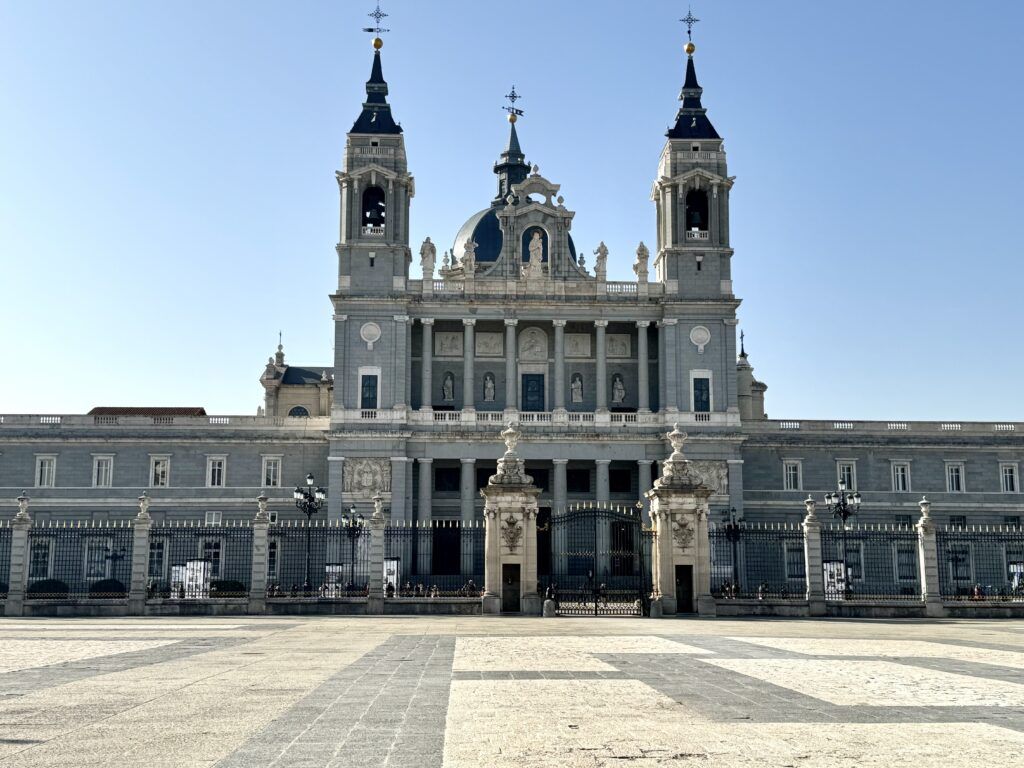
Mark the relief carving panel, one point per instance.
(367, 477)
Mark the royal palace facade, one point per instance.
(514, 323)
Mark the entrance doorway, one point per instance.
(533, 392)
(510, 588)
(684, 589)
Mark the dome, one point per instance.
(483, 227)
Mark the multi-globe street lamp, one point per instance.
(843, 505)
(309, 501)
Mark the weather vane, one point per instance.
(689, 20)
(377, 14)
(513, 113)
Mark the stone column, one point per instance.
(643, 368)
(398, 481)
(602, 366)
(18, 574)
(468, 351)
(644, 481)
(732, 399)
(702, 566)
(671, 363)
(375, 582)
(603, 494)
(662, 404)
(426, 489)
(559, 365)
(511, 385)
(427, 366)
(928, 562)
(140, 559)
(813, 572)
(735, 479)
(260, 558)
(561, 496)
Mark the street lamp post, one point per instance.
(843, 505)
(732, 534)
(353, 528)
(309, 501)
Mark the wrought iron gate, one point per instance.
(597, 561)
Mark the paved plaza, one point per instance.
(456, 692)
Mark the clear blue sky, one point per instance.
(168, 202)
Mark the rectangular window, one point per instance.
(271, 471)
(954, 477)
(795, 561)
(906, 561)
(446, 479)
(96, 560)
(273, 517)
(159, 471)
(958, 521)
(792, 476)
(102, 471)
(701, 395)
(1008, 472)
(272, 560)
(156, 559)
(210, 550)
(958, 556)
(214, 518)
(900, 477)
(39, 560)
(577, 480)
(855, 561)
(846, 474)
(368, 392)
(1012, 521)
(215, 466)
(620, 481)
(905, 521)
(483, 474)
(46, 471)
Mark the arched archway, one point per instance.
(374, 210)
(697, 218)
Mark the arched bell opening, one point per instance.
(697, 219)
(374, 211)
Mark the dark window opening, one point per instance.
(298, 410)
(623, 546)
(540, 477)
(446, 479)
(620, 480)
(577, 480)
(697, 210)
(702, 395)
(368, 393)
(1013, 520)
(374, 208)
(958, 520)
(445, 553)
(483, 475)
(904, 521)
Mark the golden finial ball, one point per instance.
(511, 117)
(378, 43)
(690, 48)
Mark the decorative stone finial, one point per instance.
(676, 438)
(22, 507)
(511, 435)
(926, 508)
(536, 169)
(378, 507)
(143, 506)
(511, 469)
(262, 516)
(811, 507)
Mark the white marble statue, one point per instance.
(618, 390)
(576, 389)
(488, 388)
(428, 255)
(448, 388)
(535, 267)
(640, 266)
(601, 265)
(469, 256)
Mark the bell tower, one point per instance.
(375, 186)
(691, 195)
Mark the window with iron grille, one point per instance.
(901, 477)
(795, 568)
(211, 549)
(39, 560)
(959, 558)
(855, 561)
(1009, 475)
(906, 561)
(214, 518)
(156, 559)
(792, 476)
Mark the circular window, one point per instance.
(299, 411)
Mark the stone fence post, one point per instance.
(15, 605)
(139, 587)
(813, 571)
(375, 582)
(260, 558)
(928, 562)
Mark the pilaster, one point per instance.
(468, 386)
(602, 366)
(643, 368)
(511, 384)
(425, 511)
(559, 365)
(427, 365)
(375, 583)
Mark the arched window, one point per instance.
(299, 411)
(374, 211)
(697, 211)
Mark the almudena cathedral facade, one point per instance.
(513, 323)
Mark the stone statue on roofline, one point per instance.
(601, 266)
(428, 256)
(640, 266)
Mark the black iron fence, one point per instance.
(981, 562)
(435, 558)
(337, 564)
(192, 561)
(881, 562)
(757, 560)
(5, 556)
(79, 560)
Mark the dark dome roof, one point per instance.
(484, 229)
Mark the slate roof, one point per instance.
(296, 374)
(376, 115)
(692, 121)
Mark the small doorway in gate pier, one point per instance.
(510, 588)
(684, 589)
(533, 392)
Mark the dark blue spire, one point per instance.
(692, 120)
(376, 115)
(511, 167)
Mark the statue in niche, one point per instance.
(535, 268)
(469, 256)
(576, 388)
(601, 266)
(618, 390)
(448, 387)
(428, 255)
(488, 388)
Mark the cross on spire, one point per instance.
(743, 351)
(377, 14)
(513, 97)
(689, 20)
